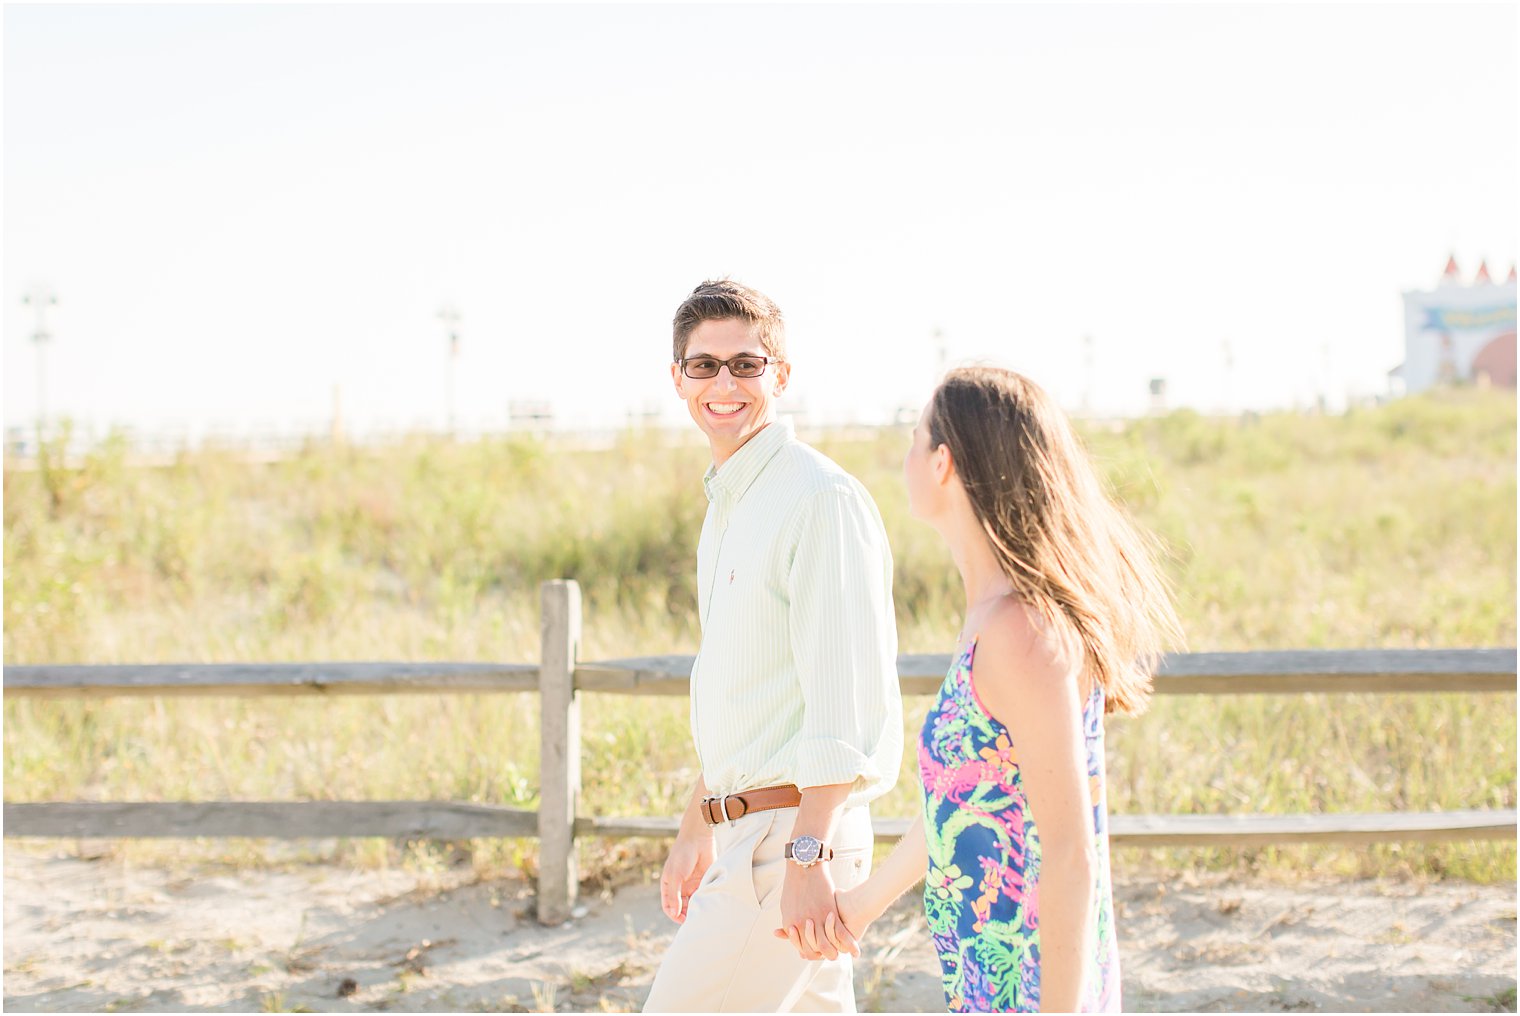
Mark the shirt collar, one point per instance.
(744, 465)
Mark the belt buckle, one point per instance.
(707, 809)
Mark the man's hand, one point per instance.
(689, 860)
(807, 911)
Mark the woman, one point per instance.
(1066, 613)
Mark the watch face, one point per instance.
(806, 849)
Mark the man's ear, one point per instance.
(676, 378)
(783, 375)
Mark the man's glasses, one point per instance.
(700, 367)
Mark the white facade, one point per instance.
(1454, 332)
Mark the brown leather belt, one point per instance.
(716, 810)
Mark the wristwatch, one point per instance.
(806, 851)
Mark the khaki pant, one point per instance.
(725, 957)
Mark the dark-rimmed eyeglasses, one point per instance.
(699, 368)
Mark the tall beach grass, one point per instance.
(1386, 527)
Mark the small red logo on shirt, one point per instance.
(731, 578)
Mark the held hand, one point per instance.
(843, 928)
(688, 861)
(807, 912)
(855, 916)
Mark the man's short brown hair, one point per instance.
(725, 299)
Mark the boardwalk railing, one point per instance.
(561, 677)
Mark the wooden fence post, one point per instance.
(559, 750)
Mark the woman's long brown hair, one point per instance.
(1068, 548)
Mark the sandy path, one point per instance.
(98, 936)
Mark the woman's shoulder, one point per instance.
(1018, 647)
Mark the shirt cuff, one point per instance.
(827, 761)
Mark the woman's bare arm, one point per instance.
(1033, 688)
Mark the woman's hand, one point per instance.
(854, 919)
(860, 905)
(840, 932)
(807, 907)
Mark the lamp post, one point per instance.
(1088, 363)
(40, 297)
(1229, 376)
(450, 318)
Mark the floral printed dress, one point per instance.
(982, 890)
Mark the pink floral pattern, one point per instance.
(981, 894)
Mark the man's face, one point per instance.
(729, 410)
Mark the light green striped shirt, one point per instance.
(796, 680)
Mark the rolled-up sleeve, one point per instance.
(844, 644)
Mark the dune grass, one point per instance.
(1386, 527)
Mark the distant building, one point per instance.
(1459, 333)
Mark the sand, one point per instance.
(100, 936)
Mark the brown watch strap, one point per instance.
(825, 854)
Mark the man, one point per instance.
(795, 706)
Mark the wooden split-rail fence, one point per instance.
(560, 677)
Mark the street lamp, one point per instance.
(40, 297)
(1089, 363)
(450, 318)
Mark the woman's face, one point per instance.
(921, 471)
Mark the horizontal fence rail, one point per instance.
(1246, 673)
(562, 677)
(202, 679)
(450, 820)
(413, 820)
(1258, 672)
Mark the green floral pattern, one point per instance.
(981, 894)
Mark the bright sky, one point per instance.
(243, 207)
